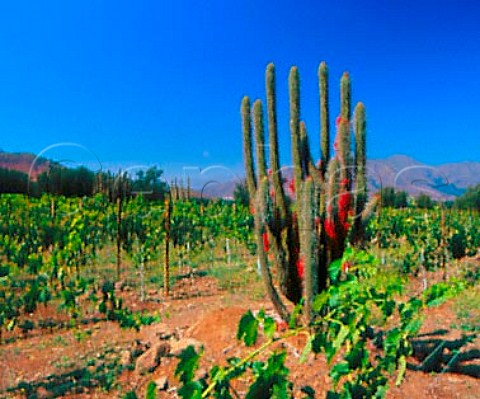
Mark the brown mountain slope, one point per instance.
(407, 174)
(404, 173)
(24, 162)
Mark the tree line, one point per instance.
(81, 181)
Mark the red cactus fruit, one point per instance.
(301, 267)
(291, 186)
(266, 242)
(330, 228)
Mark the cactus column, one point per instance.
(300, 235)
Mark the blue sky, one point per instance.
(157, 82)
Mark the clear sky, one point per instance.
(160, 82)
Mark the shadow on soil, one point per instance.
(77, 381)
(436, 354)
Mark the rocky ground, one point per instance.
(101, 360)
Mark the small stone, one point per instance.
(162, 383)
(42, 393)
(150, 360)
(139, 348)
(154, 332)
(126, 358)
(180, 345)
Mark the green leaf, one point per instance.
(151, 391)
(334, 270)
(271, 379)
(319, 342)
(402, 367)
(338, 371)
(438, 293)
(191, 390)
(248, 329)
(308, 391)
(413, 326)
(188, 364)
(388, 307)
(341, 336)
(319, 302)
(333, 395)
(269, 327)
(307, 349)
(292, 323)
(357, 357)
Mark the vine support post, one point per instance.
(166, 267)
(119, 236)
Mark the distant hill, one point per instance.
(404, 173)
(23, 161)
(442, 182)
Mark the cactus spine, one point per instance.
(301, 239)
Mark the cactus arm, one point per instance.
(294, 86)
(359, 127)
(277, 180)
(345, 96)
(247, 146)
(324, 118)
(260, 222)
(307, 160)
(307, 261)
(259, 130)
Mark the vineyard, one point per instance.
(82, 273)
(307, 287)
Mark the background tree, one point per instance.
(149, 183)
(470, 199)
(13, 182)
(240, 193)
(423, 201)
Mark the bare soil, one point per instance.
(39, 363)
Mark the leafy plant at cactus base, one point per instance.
(361, 354)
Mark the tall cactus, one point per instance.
(302, 233)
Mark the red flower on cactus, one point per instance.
(270, 172)
(346, 266)
(338, 120)
(266, 242)
(335, 143)
(291, 186)
(330, 228)
(294, 217)
(252, 209)
(301, 267)
(343, 209)
(272, 193)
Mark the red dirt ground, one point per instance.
(211, 317)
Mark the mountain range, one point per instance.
(25, 162)
(441, 182)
